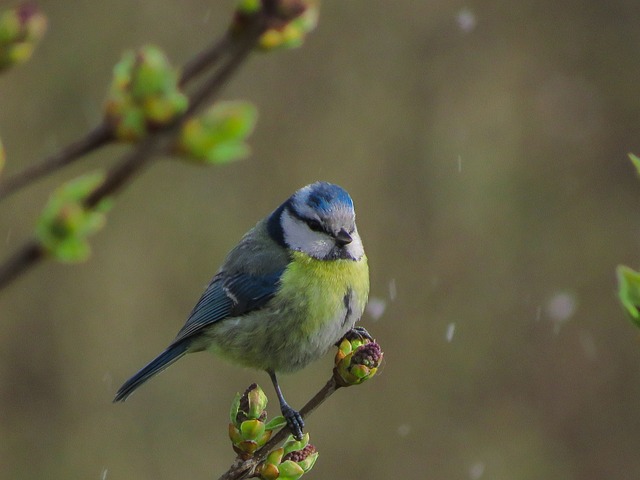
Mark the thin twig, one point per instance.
(93, 140)
(204, 60)
(130, 164)
(158, 142)
(102, 134)
(27, 256)
(245, 468)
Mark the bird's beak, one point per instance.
(343, 238)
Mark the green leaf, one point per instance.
(290, 470)
(293, 445)
(235, 406)
(276, 422)
(629, 292)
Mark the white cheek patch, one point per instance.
(298, 236)
(355, 248)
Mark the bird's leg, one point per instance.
(292, 416)
(356, 332)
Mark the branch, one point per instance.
(158, 142)
(27, 256)
(245, 468)
(93, 140)
(102, 134)
(204, 60)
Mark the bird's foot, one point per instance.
(356, 332)
(294, 420)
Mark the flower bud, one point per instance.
(66, 222)
(218, 134)
(288, 21)
(248, 430)
(144, 94)
(21, 28)
(357, 360)
(289, 462)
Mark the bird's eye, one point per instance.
(315, 225)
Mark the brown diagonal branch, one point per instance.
(158, 142)
(102, 134)
(245, 468)
(93, 140)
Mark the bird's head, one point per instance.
(318, 220)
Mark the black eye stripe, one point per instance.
(315, 225)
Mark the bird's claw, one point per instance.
(294, 421)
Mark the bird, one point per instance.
(294, 286)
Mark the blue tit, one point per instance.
(294, 285)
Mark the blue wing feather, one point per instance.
(230, 296)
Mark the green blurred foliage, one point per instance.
(65, 223)
(485, 146)
(219, 134)
(629, 292)
(21, 29)
(144, 93)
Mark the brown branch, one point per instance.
(93, 140)
(158, 142)
(245, 468)
(102, 134)
(27, 256)
(204, 60)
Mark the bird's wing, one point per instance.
(230, 296)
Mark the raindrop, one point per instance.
(376, 308)
(476, 471)
(451, 329)
(466, 20)
(393, 292)
(560, 308)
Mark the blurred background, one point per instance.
(485, 145)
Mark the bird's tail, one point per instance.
(162, 361)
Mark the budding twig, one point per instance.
(245, 468)
(133, 162)
(93, 140)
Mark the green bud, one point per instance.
(289, 462)
(293, 445)
(629, 292)
(152, 74)
(247, 429)
(21, 28)
(144, 94)
(218, 135)
(251, 429)
(161, 110)
(298, 18)
(290, 470)
(248, 7)
(269, 471)
(275, 456)
(65, 222)
(304, 457)
(357, 360)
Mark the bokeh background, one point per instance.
(485, 144)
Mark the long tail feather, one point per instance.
(162, 361)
